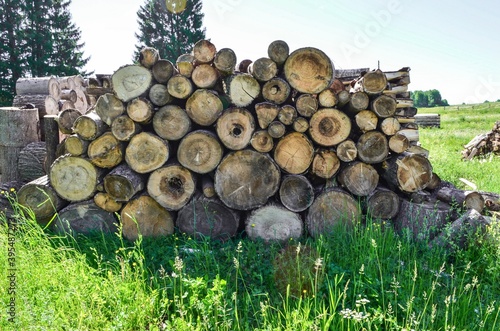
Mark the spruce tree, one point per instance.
(171, 33)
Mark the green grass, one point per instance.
(366, 278)
(459, 125)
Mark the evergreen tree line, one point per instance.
(37, 38)
(430, 98)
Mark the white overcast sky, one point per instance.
(452, 46)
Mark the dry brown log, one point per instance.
(225, 61)
(306, 105)
(242, 67)
(266, 113)
(159, 96)
(171, 122)
(69, 95)
(469, 200)
(146, 152)
(106, 151)
(276, 129)
(66, 120)
(366, 120)
(162, 71)
(300, 124)
(276, 90)
(235, 128)
(172, 186)
(124, 128)
(309, 70)
(185, 65)
(287, 114)
(200, 151)
(382, 203)
(131, 81)
(204, 107)
(104, 201)
(359, 178)
(262, 141)
(39, 85)
(31, 163)
(347, 151)
(85, 217)
(278, 51)
(329, 127)
(237, 185)
(330, 209)
(204, 51)
(390, 126)
(39, 196)
(263, 69)
(109, 107)
(273, 223)
(205, 76)
(208, 217)
(89, 126)
(359, 101)
(373, 82)
(122, 183)
(327, 98)
(12, 121)
(434, 183)
(140, 110)
(398, 143)
(372, 147)
(148, 56)
(384, 106)
(74, 178)
(325, 163)
(242, 89)
(408, 172)
(296, 193)
(145, 217)
(294, 153)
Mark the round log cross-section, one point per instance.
(329, 127)
(294, 153)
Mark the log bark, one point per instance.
(66, 120)
(74, 178)
(296, 193)
(276, 90)
(300, 124)
(204, 107)
(347, 151)
(398, 143)
(208, 217)
(159, 96)
(276, 129)
(39, 85)
(106, 151)
(266, 113)
(359, 178)
(131, 81)
(140, 110)
(384, 106)
(39, 196)
(200, 151)
(272, 223)
(148, 56)
(325, 164)
(262, 141)
(235, 128)
(109, 107)
(408, 172)
(204, 51)
(382, 204)
(124, 128)
(263, 69)
(172, 186)
(52, 137)
(205, 76)
(225, 61)
(329, 127)
(242, 89)
(146, 152)
(366, 120)
(46, 105)
(104, 201)
(236, 183)
(76, 146)
(294, 153)
(89, 126)
(146, 217)
(242, 67)
(171, 122)
(331, 209)
(469, 200)
(122, 183)
(278, 51)
(390, 126)
(31, 163)
(162, 71)
(372, 147)
(309, 70)
(85, 217)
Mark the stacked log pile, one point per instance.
(278, 146)
(483, 144)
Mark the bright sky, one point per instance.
(452, 46)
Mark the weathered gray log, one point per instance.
(278, 51)
(39, 85)
(263, 69)
(273, 223)
(122, 183)
(296, 193)
(31, 163)
(148, 56)
(131, 81)
(66, 120)
(87, 218)
(159, 96)
(225, 61)
(347, 151)
(372, 147)
(359, 178)
(470, 200)
(382, 203)
(171, 122)
(162, 71)
(384, 106)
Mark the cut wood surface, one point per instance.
(124, 128)
(359, 178)
(148, 56)
(372, 147)
(300, 124)
(347, 150)
(146, 152)
(131, 81)
(328, 98)
(398, 143)
(140, 110)
(171, 122)
(266, 113)
(373, 82)
(276, 129)
(172, 186)
(225, 61)
(235, 128)
(85, 217)
(272, 223)
(200, 151)
(382, 203)
(162, 71)
(408, 172)
(75, 145)
(366, 120)
(276, 90)
(384, 106)
(204, 51)
(122, 183)
(159, 96)
(358, 101)
(390, 126)
(185, 65)
(329, 127)
(262, 141)
(306, 105)
(89, 126)
(66, 120)
(278, 51)
(242, 89)
(296, 193)
(470, 200)
(294, 153)
(263, 69)
(205, 76)
(106, 202)
(204, 107)
(325, 163)
(287, 114)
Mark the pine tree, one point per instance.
(172, 34)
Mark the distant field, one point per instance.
(459, 124)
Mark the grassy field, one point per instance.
(366, 278)
(459, 125)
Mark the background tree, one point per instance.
(430, 98)
(171, 33)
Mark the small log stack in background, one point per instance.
(281, 145)
(483, 144)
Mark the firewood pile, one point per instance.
(277, 147)
(483, 144)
